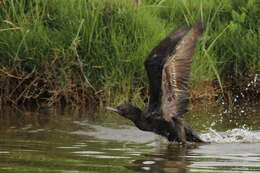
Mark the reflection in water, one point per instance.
(201, 158)
(13, 118)
(41, 142)
(166, 159)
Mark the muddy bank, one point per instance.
(37, 89)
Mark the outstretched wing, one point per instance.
(176, 74)
(154, 65)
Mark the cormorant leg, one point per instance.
(176, 131)
(180, 130)
(191, 135)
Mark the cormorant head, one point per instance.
(128, 111)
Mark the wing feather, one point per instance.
(176, 74)
(154, 65)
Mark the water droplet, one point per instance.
(212, 124)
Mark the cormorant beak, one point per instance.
(113, 109)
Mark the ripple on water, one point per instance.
(225, 157)
(236, 135)
(88, 152)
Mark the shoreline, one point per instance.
(32, 90)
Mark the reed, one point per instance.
(100, 45)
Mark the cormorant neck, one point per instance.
(137, 116)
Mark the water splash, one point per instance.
(237, 135)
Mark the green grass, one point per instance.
(102, 43)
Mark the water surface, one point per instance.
(74, 143)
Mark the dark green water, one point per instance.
(75, 143)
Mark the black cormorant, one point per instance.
(168, 68)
